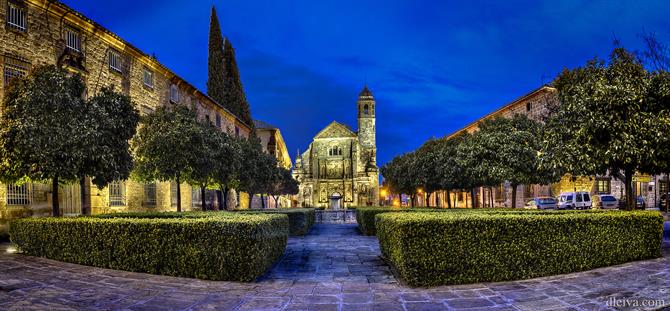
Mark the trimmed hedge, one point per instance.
(365, 216)
(212, 246)
(300, 220)
(429, 249)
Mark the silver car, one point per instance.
(542, 203)
(605, 201)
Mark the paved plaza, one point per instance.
(332, 268)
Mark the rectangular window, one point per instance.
(529, 106)
(115, 60)
(14, 67)
(16, 16)
(174, 93)
(117, 193)
(150, 194)
(218, 121)
(603, 185)
(19, 195)
(237, 131)
(148, 78)
(72, 39)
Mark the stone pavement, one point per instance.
(333, 268)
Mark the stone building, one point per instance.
(339, 168)
(39, 32)
(537, 105)
(273, 143)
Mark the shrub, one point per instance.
(428, 249)
(365, 216)
(213, 246)
(300, 220)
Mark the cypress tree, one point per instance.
(223, 83)
(235, 90)
(216, 86)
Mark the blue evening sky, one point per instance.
(433, 66)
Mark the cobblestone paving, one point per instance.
(333, 268)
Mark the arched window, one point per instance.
(339, 151)
(366, 109)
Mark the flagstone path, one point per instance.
(332, 268)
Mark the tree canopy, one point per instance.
(608, 121)
(164, 146)
(48, 131)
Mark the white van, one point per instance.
(574, 200)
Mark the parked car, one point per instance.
(574, 200)
(605, 201)
(542, 203)
(640, 202)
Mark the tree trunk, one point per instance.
(411, 199)
(82, 193)
(276, 197)
(219, 198)
(437, 199)
(55, 208)
(251, 199)
(202, 199)
(448, 194)
(514, 195)
(473, 200)
(224, 190)
(428, 199)
(628, 180)
(262, 202)
(491, 196)
(455, 200)
(178, 194)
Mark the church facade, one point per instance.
(339, 169)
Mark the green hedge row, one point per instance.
(365, 216)
(213, 246)
(300, 220)
(429, 249)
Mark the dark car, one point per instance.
(640, 203)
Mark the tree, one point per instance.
(110, 157)
(473, 163)
(603, 122)
(224, 84)
(426, 166)
(257, 168)
(512, 147)
(164, 146)
(40, 129)
(658, 159)
(228, 163)
(216, 73)
(204, 146)
(401, 175)
(282, 184)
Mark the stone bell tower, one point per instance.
(366, 123)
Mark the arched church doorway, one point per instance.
(335, 201)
